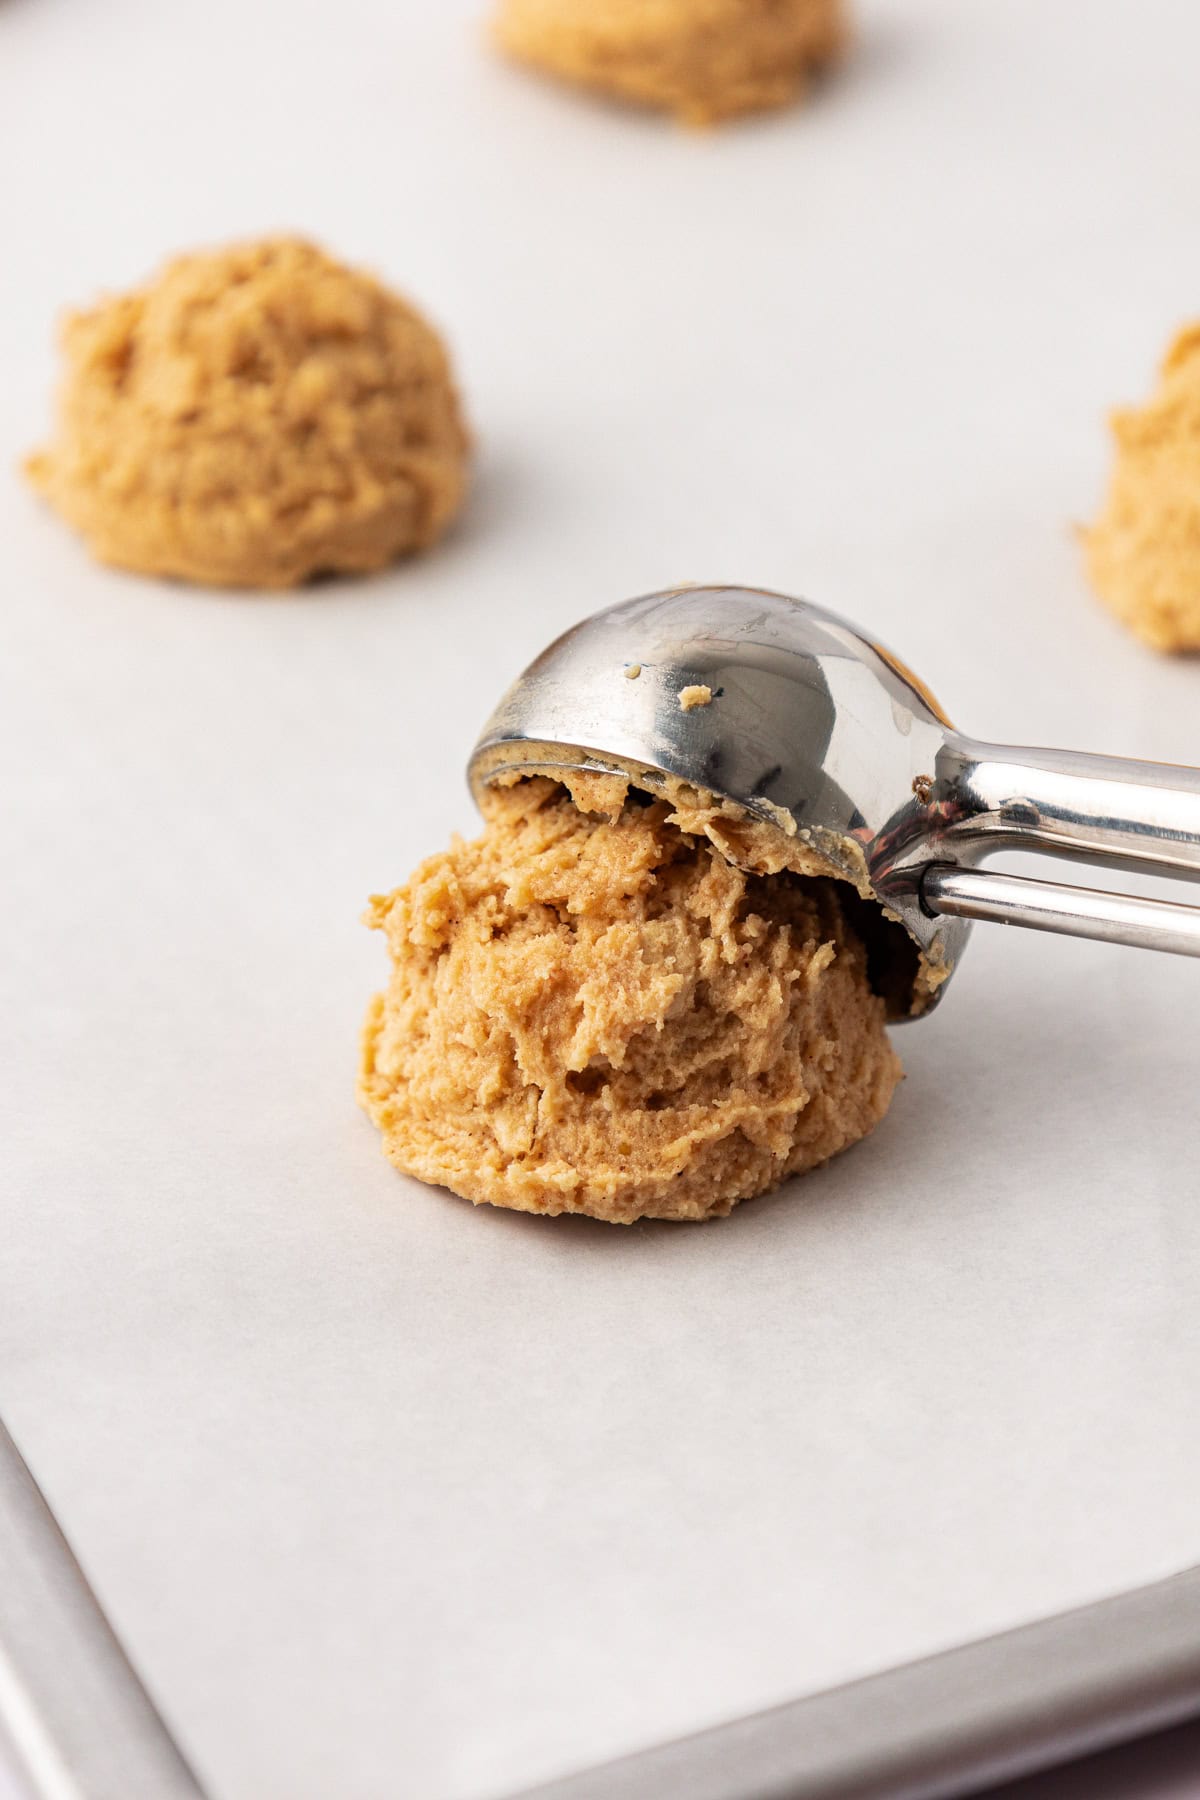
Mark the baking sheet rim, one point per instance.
(987, 1711)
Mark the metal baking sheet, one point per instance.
(947, 1725)
(76, 1720)
(383, 1492)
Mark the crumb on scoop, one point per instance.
(698, 695)
(632, 671)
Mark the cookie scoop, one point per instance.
(815, 728)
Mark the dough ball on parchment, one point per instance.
(1143, 553)
(702, 60)
(597, 1012)
(252, 417)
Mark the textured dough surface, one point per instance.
(252, 417)
(595, 1011)
(702, 60)
(1143, 553)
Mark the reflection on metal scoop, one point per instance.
(819, 730)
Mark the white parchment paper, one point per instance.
(389, 1496)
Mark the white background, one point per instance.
(387, 1495)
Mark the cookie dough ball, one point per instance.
(702, 60)
(253, 417)
(597, 1012)
(1143, 553)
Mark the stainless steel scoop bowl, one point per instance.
(820, 730)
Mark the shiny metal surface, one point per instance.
(817, 727)
(939, 1729)
(74, 1717)
(1071, 911)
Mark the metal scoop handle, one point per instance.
(1108, 811)
(1071, 911)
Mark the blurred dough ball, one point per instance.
(1143, 552)
(702, 60)
(252, 417)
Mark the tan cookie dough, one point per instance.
(253, 417)
(702, 60)
(596, 1011)
(1143, 553)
